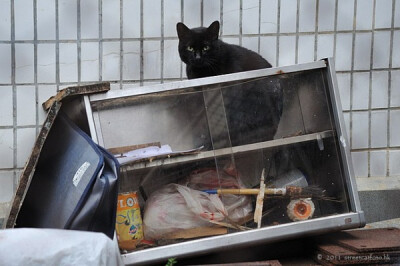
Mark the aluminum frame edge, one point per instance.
(258, 236)
(344, 147)
(113, 94)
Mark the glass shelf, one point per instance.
(166, 160)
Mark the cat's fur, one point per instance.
(252, 109)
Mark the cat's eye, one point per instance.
(190, 48)
(206, 48)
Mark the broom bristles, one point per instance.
(311, 191)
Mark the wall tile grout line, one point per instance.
(141, 43)
(14, 93)
(221, 17)
(390, 88)
(371, 64)
(316, 29)
(78, 41)
(335, 27)
(307, 33)
(35, 66)
(65, 83)
(394, 148)
(373, 109)
(182, 20)
(240, 22)
(259, 27)
(367, 70)
(57, 47)
(296, 59)
(162, 42)
(19, 127)
(278, 29)
(100, 40)
(11, 170)
(201, 13)
(351, 73)
(177, 78)
(121, 44)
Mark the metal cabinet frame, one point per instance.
(352, 219)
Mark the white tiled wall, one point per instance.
(46, 45)
(6, 149)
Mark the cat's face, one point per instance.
(199, 46)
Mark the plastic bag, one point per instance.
(48, 247)
(238, 206)
(176, 207)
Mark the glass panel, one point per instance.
(253, 109)
(222, 140)
(175, 119)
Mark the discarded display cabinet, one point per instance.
(279, 131)
(191, 126)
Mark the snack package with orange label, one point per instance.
(129, 221)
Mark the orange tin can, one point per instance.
(128, 221)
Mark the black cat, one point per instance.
(205, 55)
(253, 109)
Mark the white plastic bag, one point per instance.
(176, 207)
(238, 207)
(48, 247)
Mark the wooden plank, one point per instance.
(379, 239)
(76, 90)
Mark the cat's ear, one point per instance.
(182, 30)
(213, 30)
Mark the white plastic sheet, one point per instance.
(31, 246)
(175, 207)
